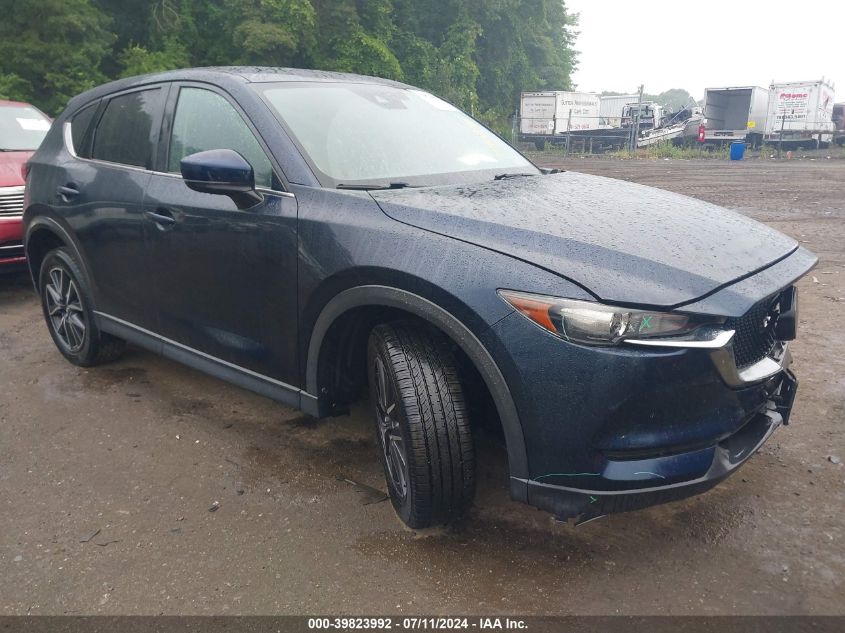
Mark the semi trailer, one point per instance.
(735, 114)
(800, 114)
(546, 114)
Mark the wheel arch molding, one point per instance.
(451, 326)
(45, 230)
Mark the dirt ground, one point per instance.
(137, 452)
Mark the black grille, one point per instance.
(755, 332)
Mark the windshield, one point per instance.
(21, 128)
(371, 133)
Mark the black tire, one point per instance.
(429, 414)
(71, 323)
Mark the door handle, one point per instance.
(67, 192)
(162, 217)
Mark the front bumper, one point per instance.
(677, 475)
(616, 429)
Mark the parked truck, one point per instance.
(650, 114)
(546, 114)
(735, 114)
(800, 114)
(611, 108)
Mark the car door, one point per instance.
(226, 277)
(100, 191)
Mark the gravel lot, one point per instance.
(140, 450)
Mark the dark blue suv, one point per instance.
(307, 234)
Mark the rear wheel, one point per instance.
(422, 426)
(66, 303)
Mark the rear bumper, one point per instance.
(670, 477)
(724, 136)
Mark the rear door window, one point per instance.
(128, 129)
(79, 126)
(205, 120)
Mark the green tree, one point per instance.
(137, 60)
(55, 47)
(14, 87)
(514, 45)
(479, 54)
(525, 45)
(675, 98)
(270, 32)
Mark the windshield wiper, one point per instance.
(506, 176)
(390, 185)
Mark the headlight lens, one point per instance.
(598, 324)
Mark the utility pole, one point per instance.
(568, 131)
(635, 123)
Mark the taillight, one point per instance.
(25, 171)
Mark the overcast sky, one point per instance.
(687, 44)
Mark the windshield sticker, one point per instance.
(33, 125)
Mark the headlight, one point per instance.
(598, 324)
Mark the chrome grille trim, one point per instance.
(11, 200)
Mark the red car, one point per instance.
(22, 128)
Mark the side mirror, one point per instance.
(222, 171)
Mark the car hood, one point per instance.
(625, 243)
(10, 168)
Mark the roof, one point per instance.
(264, 74)
(227, 75)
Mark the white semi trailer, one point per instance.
(557, 112)
(800, 114)
(735, 113)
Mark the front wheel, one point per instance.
(422, 426)
(67, 309)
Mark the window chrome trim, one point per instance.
(286, 194)
(68, 142)
(67, 135)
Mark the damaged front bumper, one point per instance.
(663, 478)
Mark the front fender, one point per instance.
(373, 295)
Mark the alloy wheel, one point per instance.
(64, 308)
(390, 435)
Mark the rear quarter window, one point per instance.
(126, 131)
